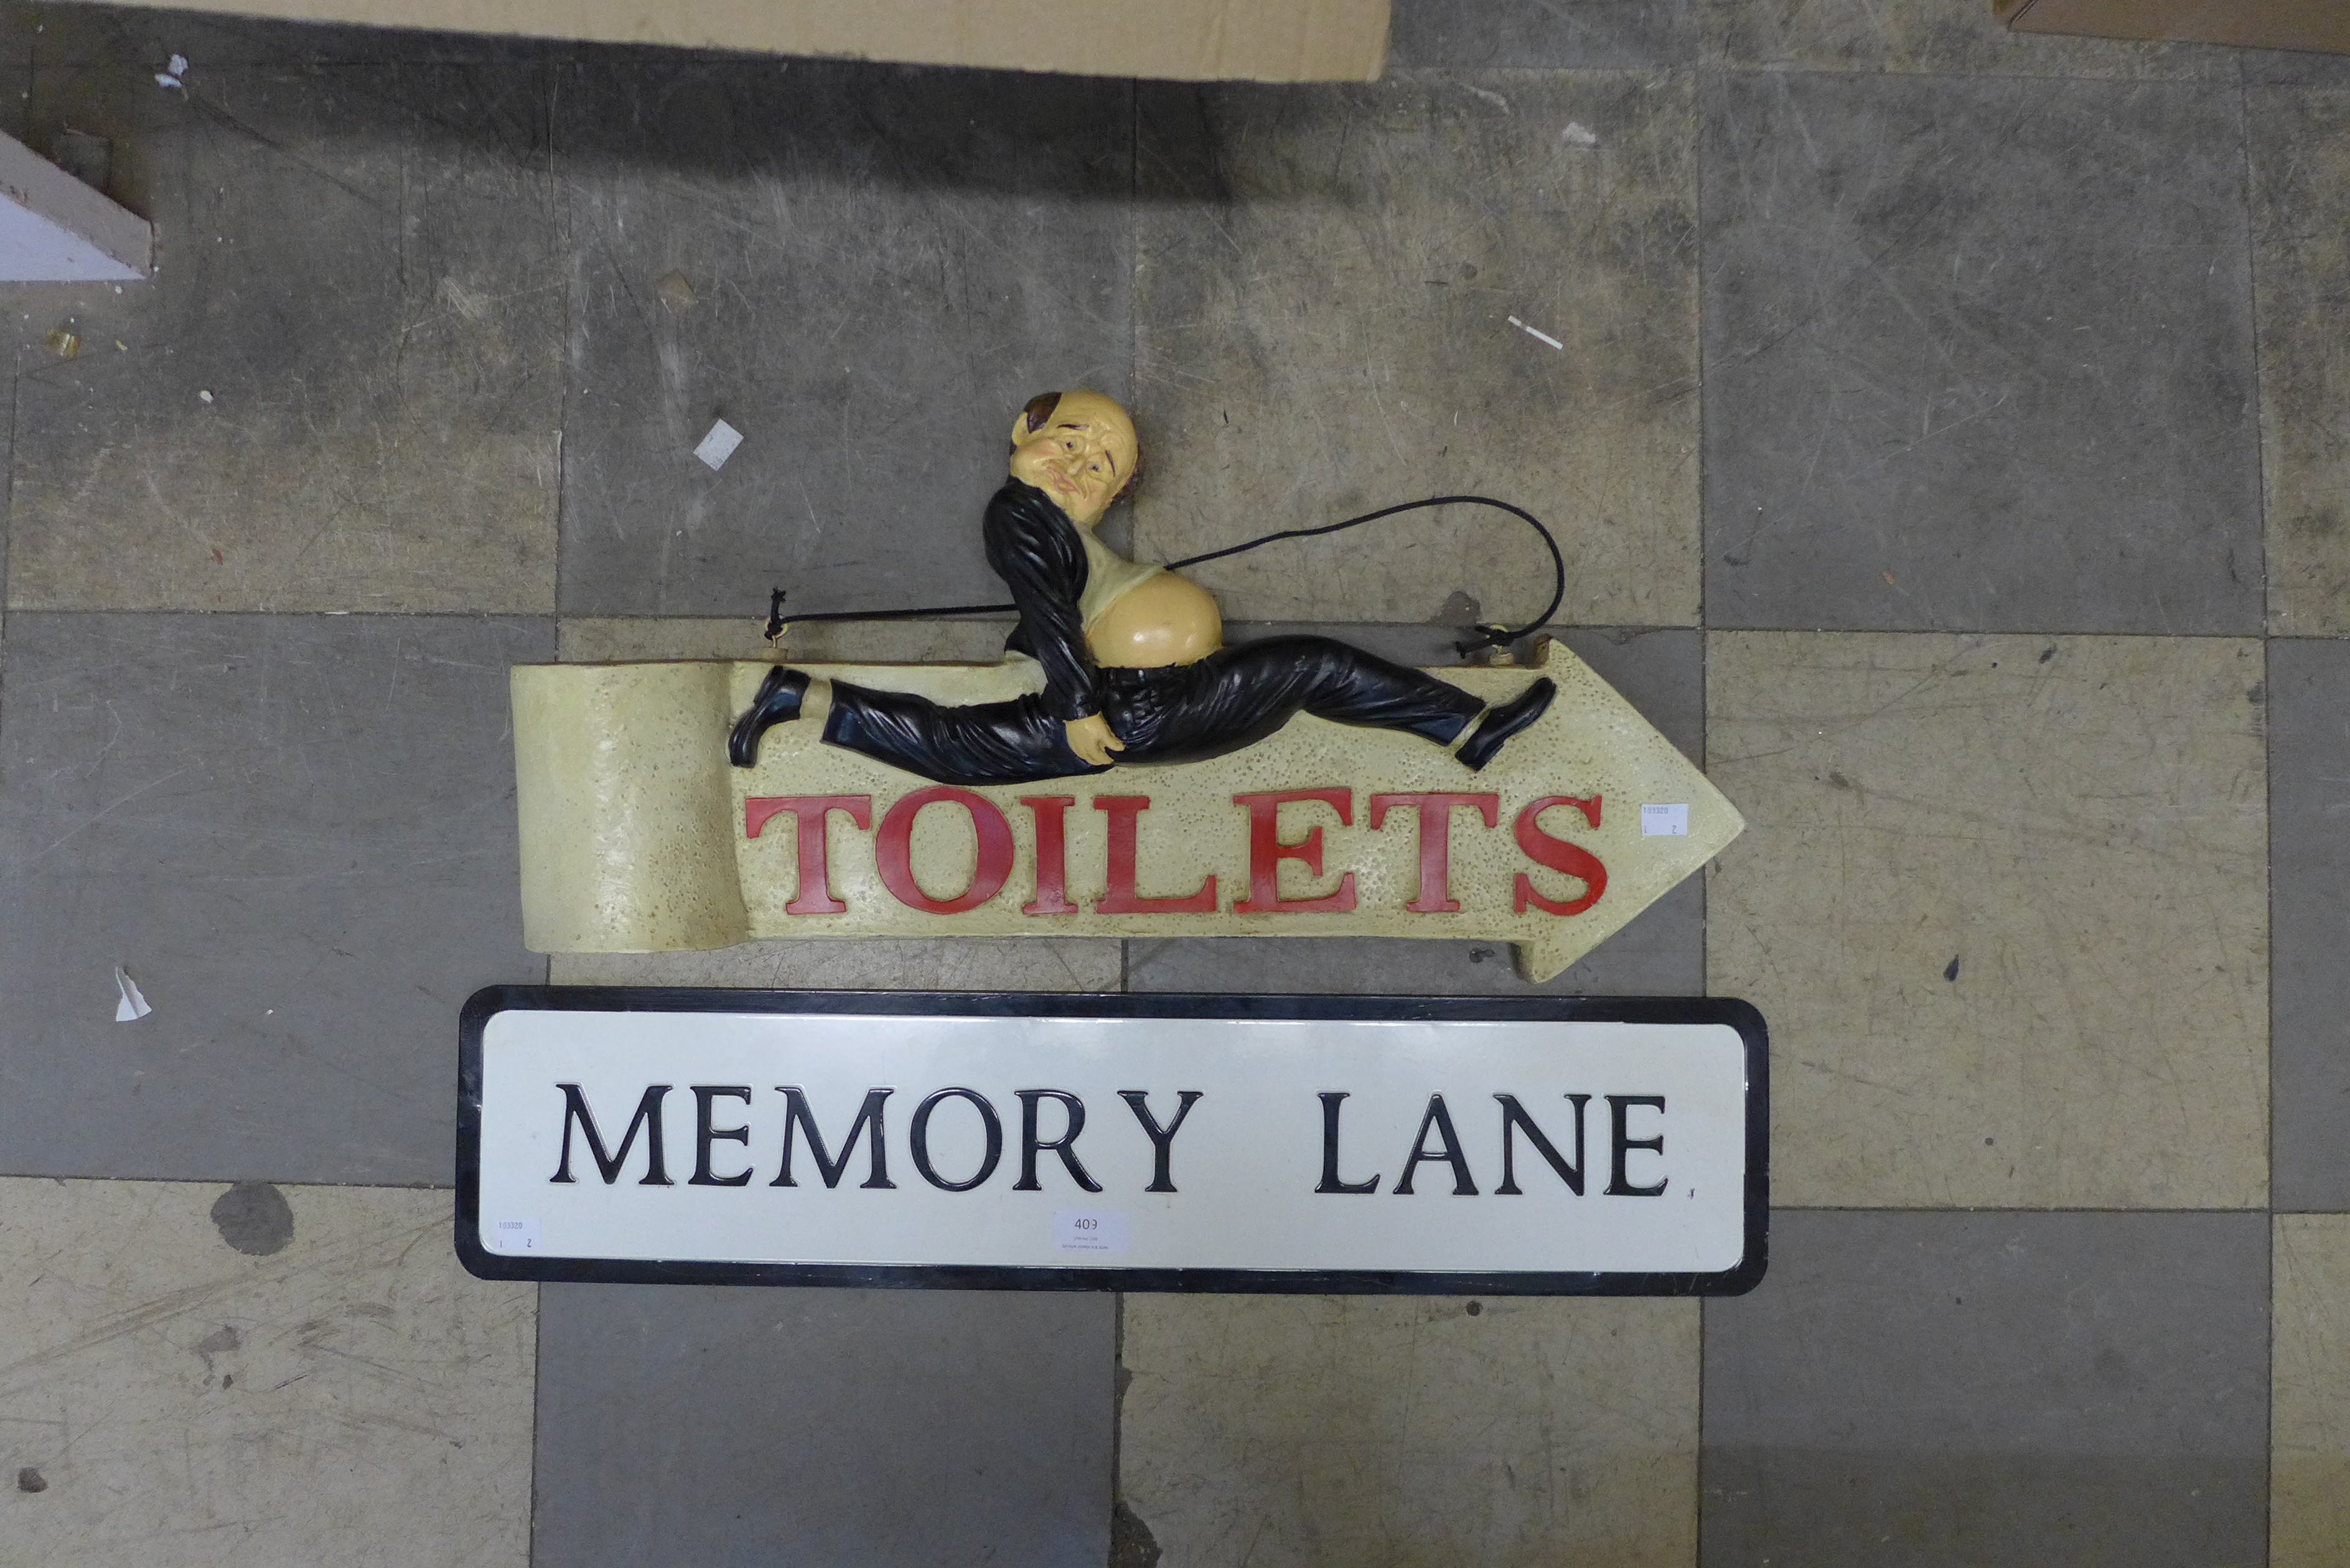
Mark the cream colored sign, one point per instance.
(638, 837)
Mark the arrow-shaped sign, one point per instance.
(638, 837)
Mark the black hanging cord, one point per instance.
(1485, 636)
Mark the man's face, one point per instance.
(1080, 456)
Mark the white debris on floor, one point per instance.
(718, 445)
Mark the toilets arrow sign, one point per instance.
(636, 835)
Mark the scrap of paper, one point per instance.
(132, 1006)
(1532, 332)
(718, 445)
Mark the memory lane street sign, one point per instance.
(1412, 1144)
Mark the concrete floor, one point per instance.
(1949, 442)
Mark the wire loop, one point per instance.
(1482, 636)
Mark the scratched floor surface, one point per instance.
(1948, 431)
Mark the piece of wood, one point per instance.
(55, 228)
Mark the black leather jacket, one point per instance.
(1035, 548)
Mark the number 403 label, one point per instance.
(1089, 1231)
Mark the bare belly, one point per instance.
(1165, 620)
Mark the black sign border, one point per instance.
(490, 1001)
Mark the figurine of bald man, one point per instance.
(1134, 667)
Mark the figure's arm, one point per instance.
(1092, 739)
(1045, 574)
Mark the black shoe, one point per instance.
(778, 703)
(1502, 721)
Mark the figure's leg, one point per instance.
(985, 742)
(1349, 685)
(778, 703)
(979, 743)
(1506, 718)
(1359, 688)
(1239, 696)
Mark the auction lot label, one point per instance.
(1328, 1144)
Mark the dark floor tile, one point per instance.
(1978, 357)
(74, 31)
(19, 37)
(1931, 37)
(865, 269)
(1444, 282)
(1660, 953)
(1927, 1388)
(1541, 33)
(2293, 67)
(342, 388)
(824, 1428)
(297, 833)
(2309, 923)
(2300, 160)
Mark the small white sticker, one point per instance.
(1089, 1231)
(1664, 821)
(718, 445)
(515, 1236)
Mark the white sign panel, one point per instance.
(1124, 1142)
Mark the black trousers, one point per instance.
(1182, 713)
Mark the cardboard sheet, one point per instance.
(1190, 40)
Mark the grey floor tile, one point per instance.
(1324, 282)
(342, 389)
(297, 833)
(2300, 156)
(865, 269)
(2308, 1393)
(1935, 36)
(1660, 671)
(2089, 1390)
(1960, 902)
(1541, 33)
(1978, 357)
(824, 1428)
(2308, 922)
(1422, 1432)
(327, 1388)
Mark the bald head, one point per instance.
(1078, 447)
